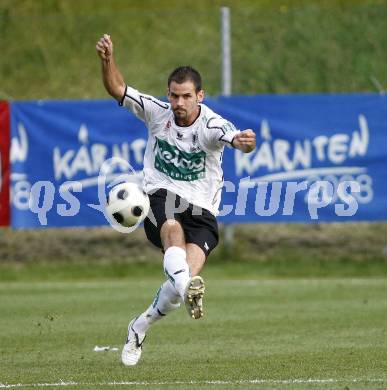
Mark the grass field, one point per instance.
(270, 333)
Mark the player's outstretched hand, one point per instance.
(105, 47)
(245, 141)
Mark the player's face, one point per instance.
(184, 101)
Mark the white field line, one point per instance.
(204, 382)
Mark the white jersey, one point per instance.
(184, 160)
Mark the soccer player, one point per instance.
(183, 178)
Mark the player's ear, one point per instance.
(200, 96)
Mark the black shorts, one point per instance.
(199, 225)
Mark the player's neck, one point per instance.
(189, 120)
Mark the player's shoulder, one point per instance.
(211, 118)
(207, 112)
(153, 101)
(144, 100)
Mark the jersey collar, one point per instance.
(196, 119)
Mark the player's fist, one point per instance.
(105, 47)
(245, 141)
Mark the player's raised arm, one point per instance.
(245, 141)
(111, 76)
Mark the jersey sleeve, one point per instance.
(145, 107)
(220, 132)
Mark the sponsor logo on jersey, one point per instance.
(177, 164)
(167, 127)
(194, 148)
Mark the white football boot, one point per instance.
(131, 352)
(193, 297)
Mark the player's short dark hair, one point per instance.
(186, 73)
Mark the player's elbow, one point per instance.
(116, 91)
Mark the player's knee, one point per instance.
(172, 234)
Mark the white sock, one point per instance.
(166, 300)
(176, 268)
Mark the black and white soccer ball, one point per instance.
(127, 204)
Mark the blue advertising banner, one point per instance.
(318, 158)
(58, 149)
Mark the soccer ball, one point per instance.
(127, 204)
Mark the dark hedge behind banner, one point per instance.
(318, 158)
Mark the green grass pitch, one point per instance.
(269, 333)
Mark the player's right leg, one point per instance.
(163, 228)
(175, 257)
(179, 267)
(165, 301)
(168, 234)
(167, 298)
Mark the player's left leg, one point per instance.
(195, 258)
(201, 233)
(193, 297)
